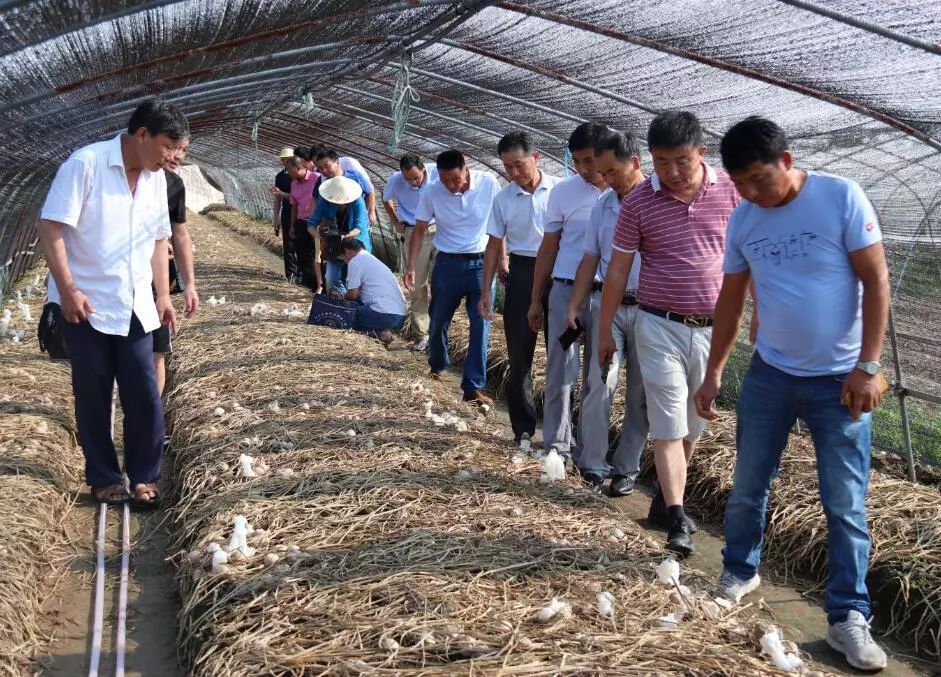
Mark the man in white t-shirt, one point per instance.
(459, 203)
(104, 230)
(370, 282)
(400, 198)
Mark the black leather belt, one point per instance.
(699, 321)
(521, 258)
(628, 300)
(562, 280)
(596, 286)
(467, 257)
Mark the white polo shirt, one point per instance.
(110, 239)
(520, 216)
(349, 164)
(378, 288)
(569, 211)
(406, 195)
(461, 218)
(600, 236)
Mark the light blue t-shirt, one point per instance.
(809, 296)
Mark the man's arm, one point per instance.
(870, 265)
(413, 251)
(615, 284)
(492, 254)
(371, 212)
(393, 217)
(584, 277)
(160, 267)
(545, 261)
(276, 218)
(74, 304)
(183, 253)
(352, 294)
(730, 308)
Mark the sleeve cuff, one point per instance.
(626, 250)
(67, 219)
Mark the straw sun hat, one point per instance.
(286, 153)
(340, 190)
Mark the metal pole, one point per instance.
(902, 395)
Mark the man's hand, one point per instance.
(291, 232)
(276, 224)
(75, 306)
(190, 301)
(571, 317)
(861, 392)
(606, 346)
(534, 317)
(705, 398)
(274, 190)
(485, 307)
(399, 226)
(409, 278)
(503, 271)
(166, 313)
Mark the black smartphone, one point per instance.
(568, 337)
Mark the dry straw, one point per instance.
(388, 537)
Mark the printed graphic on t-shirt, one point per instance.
(783, 248)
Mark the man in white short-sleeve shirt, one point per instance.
(459, 204)
(104, 230)
(370, 282)
(568, 213)
(811, 245)
(400, 199)
(516, 227)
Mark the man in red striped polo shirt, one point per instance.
(677, 220)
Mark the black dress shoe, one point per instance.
(621, 485)
(679, 539)
(659, 517)
(593, 482)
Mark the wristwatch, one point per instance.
(871, 368)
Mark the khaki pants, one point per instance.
(418, 309)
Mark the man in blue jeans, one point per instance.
(459, 203)
(811, 245)
(370, 282)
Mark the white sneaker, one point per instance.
(734, 588)
(853, 639)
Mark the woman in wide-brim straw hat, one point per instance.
(341, 199)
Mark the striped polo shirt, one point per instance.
(683, 245)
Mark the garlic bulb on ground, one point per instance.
(605, 603)
(245, 466)
(668, 572)
(553, 609)
(553, 466)
(771, 644)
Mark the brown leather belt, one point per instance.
(697, 321)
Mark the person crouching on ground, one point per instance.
(812, 244)
(370, 283)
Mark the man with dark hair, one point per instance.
(812, 244)
(182, 259)
(618, 161)
(567, 215)
(400, 198)
(331, 165)
(303, 200)
(677, 220)
(281, 217)
(516, 226)
(459, 204)
(104, 230)
(348, 164)
(370, 282)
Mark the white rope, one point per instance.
(255, 126)
(402, 97)
(121, 643)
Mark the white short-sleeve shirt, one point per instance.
(109, 241)
(569, 211)
(378, 288)
(461, 218)
(520, 216)
(600, 236)
(349, 164)
(406, 195)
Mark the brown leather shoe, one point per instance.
(436, 375)
(478, 397)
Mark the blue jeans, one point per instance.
(770, 401)
(455, 279)
(336, 276)
(370, 320)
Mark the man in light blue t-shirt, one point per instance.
(810, 244)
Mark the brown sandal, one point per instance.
(146, 496)
(113, 494)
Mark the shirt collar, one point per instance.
(115, 155)
(711, 177)
(539, 186)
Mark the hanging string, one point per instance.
(402, 97)
(255, 125)
(567, 160)
(308, 101)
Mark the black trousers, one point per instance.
(521, 344)
(97, 361)
(291, 269)
(304, 246)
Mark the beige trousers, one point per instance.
(419, 298)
